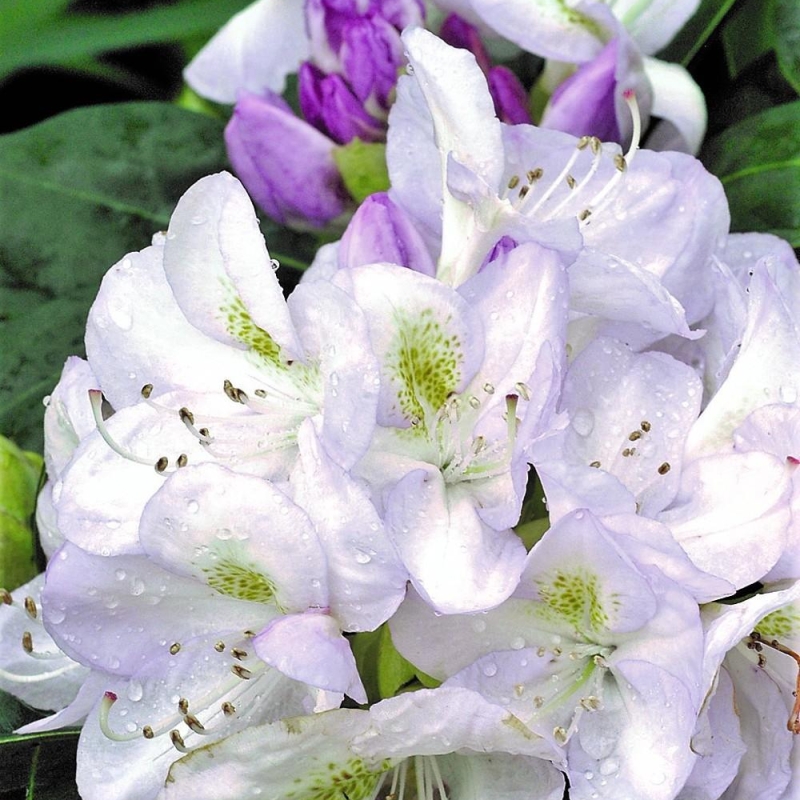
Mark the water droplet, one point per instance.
(489, 670)
(609, 766)
(198, 219)
(788, 394)
(362, 557)
(518, 643)
(137, 587)
(135, 691)
(193, 506)
(478, 625)
(113, 663)
(658, 778)
(120, 316)
(588, 775)
(583, 422)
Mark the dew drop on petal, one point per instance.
(135, 691)
(489, 670)
(583, 422)
(193, 506)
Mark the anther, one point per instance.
(147, 390)
(583, 142)
(571, 182)
(560, 734)
(147, 732)
(219, 646)
(620, 163)
(27, 642)
(249, 634)
(634, 435)
(228, 709)
(538, 701)
(177, 741)
(30, 607)
(237, 652)
(183, 460)
(241, 672)
(204, 432)
(194, 723)
(186, 415)
(645, 426)
(534, 175)
(161, 464)
(474, 402)
(595, 464)
(664, 468)
(626, 452)
(260, 393)
(175, 648)
(524, 390)
(183, 706)
(595, 145)
(513, 181)
(488, 388)
(523, 190)
(584, 215)
(6, 597)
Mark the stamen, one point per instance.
(219, 646)
(629, 96)
(27, 642)
(175, 648)
(513, 182)
(177, 741)
(557, 182)
(237, 652)
(228, 709)
(664, 468)
(30, 607)
(524, 391)
(793, 723)
(194, 724)
(183, 706)
(39, 677)
(6, 597)
(96, 400)
(147, 390)
(183, 460)
(241, 672)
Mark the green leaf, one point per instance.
(40, 766)
(787, 39)
(363, 168)
(758, 161)
(708, 17)
(39, 33)
(77, 193)
(383, 670)
(19, 483)
(747, 35)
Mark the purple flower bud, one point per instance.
(371, 55)
(584, 104)
(286, 165)
(382, 231)
(400, 13)
(457, 32)
(343, 116)
(509, 96)
(502, 247)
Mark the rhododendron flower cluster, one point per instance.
(499, 502)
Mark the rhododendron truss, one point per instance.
(501, 501)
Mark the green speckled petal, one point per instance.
(303, 758)
(238, 534)
(428, 340)
(585, 583)
(221, 274)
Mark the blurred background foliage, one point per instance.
(82, 183)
